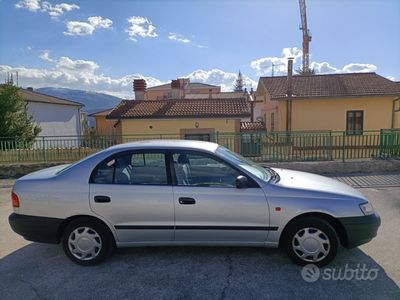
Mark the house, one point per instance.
(177, 89)
(191, 95)
(353, 102)
(179, 118)
(55, 116)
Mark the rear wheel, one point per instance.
(311, 240)
(87, 241)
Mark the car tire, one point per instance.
(87, 241)
(311, 240)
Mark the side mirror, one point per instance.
(241, 182)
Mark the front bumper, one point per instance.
(360, 230)
(36, 229)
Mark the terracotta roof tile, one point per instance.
(252, 126)
(331, 85)
(180, 108)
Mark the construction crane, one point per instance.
(306, 38)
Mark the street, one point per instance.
(40, 271)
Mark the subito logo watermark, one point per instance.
(311, 273)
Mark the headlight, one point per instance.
(367, 208)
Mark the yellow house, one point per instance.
(354, 102)
(181, 118)
(103, 125)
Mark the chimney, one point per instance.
(176, 89)
(289, 77)
(210, 94)
(289, 95)
(139, 87)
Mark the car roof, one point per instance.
(167, 144)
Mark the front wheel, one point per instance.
(87, 241)
(311, 240)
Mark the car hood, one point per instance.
(44, 173)
(314, 183)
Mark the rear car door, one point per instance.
(133, 192)
(209, 207)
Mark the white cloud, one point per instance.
(392, 78)
(218, 77)
(77, 74)
(87, 28)
(45, 55)
(323, 68)
(173, 36)
(31, 5)
(359, 68)
(263, 66)
(177, 37)
(54, 11)
(85, 75)
(99, 22)
(140, 27)
(326, 68)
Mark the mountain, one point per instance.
(93, 101)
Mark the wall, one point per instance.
(330, 113)
(173, 126)
(268, 107)
(104, 126)
(159, 94)
(55, 119)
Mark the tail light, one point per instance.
(14, 200)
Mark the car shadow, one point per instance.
(40, 271)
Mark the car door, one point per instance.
(133, 193)
(209, 207)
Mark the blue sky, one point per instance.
(103, 45)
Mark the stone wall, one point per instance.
(326, 167)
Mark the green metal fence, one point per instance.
(259, 146)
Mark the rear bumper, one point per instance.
(360, 230)
(36, 229)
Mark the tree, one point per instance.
(14, 120)
(309, 71)
(239, 83)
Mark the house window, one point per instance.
(272, 121)
(355, 122)
(198, 137)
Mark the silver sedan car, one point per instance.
(156, 193)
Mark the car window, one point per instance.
(136, 169)
(105, 172)
(202, 170)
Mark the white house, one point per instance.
(55, 116)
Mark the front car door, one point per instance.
(209, 207)
(132, 191)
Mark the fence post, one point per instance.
(44, 149)
(343, 146)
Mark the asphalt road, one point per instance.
(40, 271)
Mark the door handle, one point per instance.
(185, 200)
(102, 199)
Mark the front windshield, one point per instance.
(244, 163)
